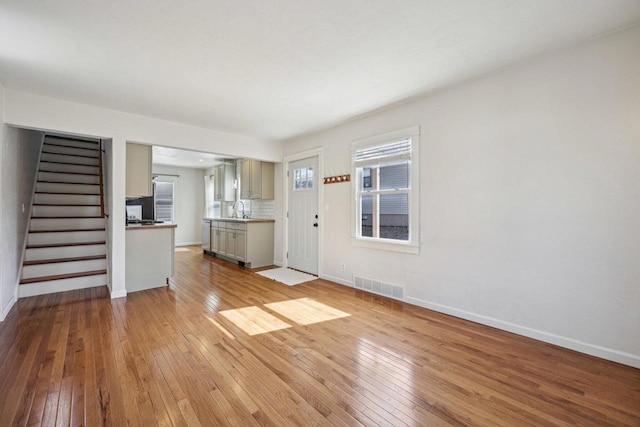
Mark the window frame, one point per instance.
(407, 246)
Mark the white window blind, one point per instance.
(388, 153)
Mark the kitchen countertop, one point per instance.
(241, 219)
(149, 226)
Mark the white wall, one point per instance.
(530, 202)
(188, 202)
(41, 112)
(19, 153)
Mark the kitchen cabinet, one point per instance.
(149, 256)
(246, 242)
(237, 242)
(218, 238)
(256, 179)
(224, 176)
(139, 167)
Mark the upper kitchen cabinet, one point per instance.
(256, 179)
(223, 178)
(139, 161)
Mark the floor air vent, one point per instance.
(379, 287)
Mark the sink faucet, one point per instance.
(234, 208)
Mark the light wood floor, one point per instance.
(325, 355)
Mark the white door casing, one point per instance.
(303, 214)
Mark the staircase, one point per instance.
(66, 241)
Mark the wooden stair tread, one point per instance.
(68, 138)
(71, 155)
(63, 204)
(62, 276)
(62, 245)
(70, 146)
(68, 163)
(63, 182)
(70, 173)
(71, 259)
(65, 217)
(68, 194)
(70, 230)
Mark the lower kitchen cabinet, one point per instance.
(237, 245)
(149, 256)
(218, 238)
(247, 242)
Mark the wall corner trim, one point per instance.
(118, 294)
(7, 309)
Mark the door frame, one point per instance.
(314, 152)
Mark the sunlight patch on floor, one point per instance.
(254, 320)
(306, 311)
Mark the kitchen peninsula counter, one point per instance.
(149, 255)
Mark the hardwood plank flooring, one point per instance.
(314, 354)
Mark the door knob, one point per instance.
(315, 224)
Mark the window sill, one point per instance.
(386, 245)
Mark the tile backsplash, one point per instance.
(260, 209)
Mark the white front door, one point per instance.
(302, 182)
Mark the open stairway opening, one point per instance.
(66, 242)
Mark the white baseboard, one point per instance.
(7, 309)
(339, 280)
(119, 294)
(188, 244)
(580, 346)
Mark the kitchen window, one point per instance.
(386, 195)
(212, 206)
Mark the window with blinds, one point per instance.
(386, 196)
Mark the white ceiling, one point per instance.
(279, 68)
